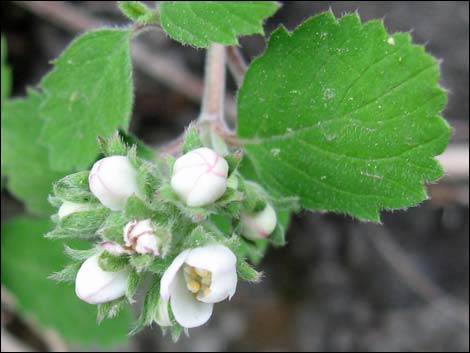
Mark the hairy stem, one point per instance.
(236, 64)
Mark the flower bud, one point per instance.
(68, 208)
(140, 236)
(259, 225)
(95, 286)
(112, 180)
(200, 177)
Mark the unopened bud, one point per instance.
(140, 236)
(259, 225)
(200, 177)
(95, 286)
(113, 180)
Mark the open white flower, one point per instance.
(200, 177)
(113, 180)
(196, 279)
(259, 225)
(69, 207)
(95, 286)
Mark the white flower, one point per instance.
(259, 225)
(68, 208)
(112, 180)
(196, 279)
(200, 177)
(140, 236)
(95, 286)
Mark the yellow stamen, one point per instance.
(193, 286)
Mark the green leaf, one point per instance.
(24, 161)
(27, 261)
(191, 140)
(344, 116)
(5, 72)
(88, 93)
(138, 12)
(199, 23)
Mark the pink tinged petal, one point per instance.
(200, 177)
(113, 180)
(207, 189)
(147, 244)
(188, 311)
(115, 248)
(95, 286)
(259, 225)
(170, 273)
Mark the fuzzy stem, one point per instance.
(212, 110)
(236, 64)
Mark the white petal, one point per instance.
(260, 225)
(223, 286)
(184, 180)
(112, 180)
(207, 189)
(170, 273)
(94, 285)
(147, 244)
(188, 311)
(71, 207)
(114, 248)
(214, 257)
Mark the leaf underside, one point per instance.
(344, 116)
(198, 23)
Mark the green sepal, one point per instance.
(191, 140)
(133, 283)
(112, 263)
(110, 309)
(113, 227)
(246, 272)
(113, 146)
(141, 262)
(74, 188)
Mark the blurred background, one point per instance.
(339, 284)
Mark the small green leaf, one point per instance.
(88, 93)
(200, 22)
(27, 261)
(345, 116)
(133, 282)
(24, 161)
(84, 223)
(5, 72)
(138, 12)
(137, 209)
(113, 146)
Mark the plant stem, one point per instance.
(212, 109)
(236, 64)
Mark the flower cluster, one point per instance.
(190, 227)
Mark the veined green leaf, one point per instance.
(345, 116)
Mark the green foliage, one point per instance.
(198, 23)
(344, 116)
(24, 161)
(191, 140)
(88, 93)
(138, 12)
(27, 261)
